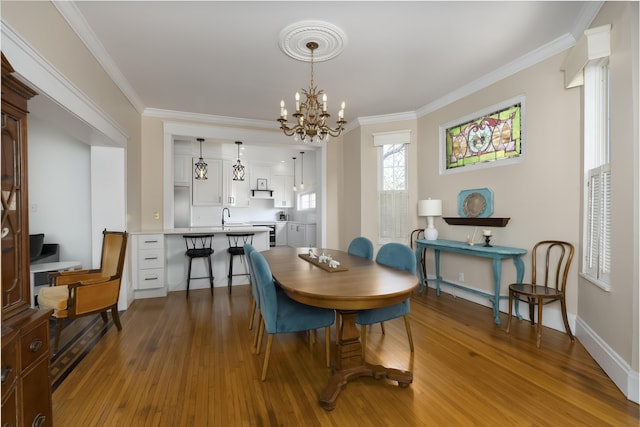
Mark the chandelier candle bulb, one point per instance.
(324, 102)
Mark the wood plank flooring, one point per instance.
(180, 362)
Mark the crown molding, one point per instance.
(79, 25)
(211, 119)
(386, 118)
(49, 82)
(552, 48)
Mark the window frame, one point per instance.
(400, 208)
(596, 257)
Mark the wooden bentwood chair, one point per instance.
(83, 292)
(416, 234)
(550, 259)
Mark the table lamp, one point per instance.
(430, 208)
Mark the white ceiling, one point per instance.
(223, 58)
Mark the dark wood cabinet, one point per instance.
(26, 383)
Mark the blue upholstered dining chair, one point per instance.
(398, 256)
(282, 315)
(255, 303)
(362, 247)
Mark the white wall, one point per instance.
(59, 191)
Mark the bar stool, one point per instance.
(199, 246)
(236, 247)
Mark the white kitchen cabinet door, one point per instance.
(301, 235)
(283, 191)
(183, 173)
(281, 233)
(208, 192)
(237, 193)
(295, 235)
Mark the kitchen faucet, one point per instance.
(228, 215)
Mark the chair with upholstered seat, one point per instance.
(83, 292)
(401, 257)
(281, 314)
(550, 263)
(199, 246)
(255, 302)
(236, 248)
(362, 247)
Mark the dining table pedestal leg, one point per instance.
(349, 363)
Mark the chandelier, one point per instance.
(238, 169)
(311, 115)
(201, 166)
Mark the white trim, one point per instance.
(593, 45)
(393, 137)
(76, 21)
(208, 118)
(620, 372)
(540, 54)
(49, 82)
(386, 118)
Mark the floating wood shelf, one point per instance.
(253, 192)
(487, 222)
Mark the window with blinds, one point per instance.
(597, 183)
(598, 225)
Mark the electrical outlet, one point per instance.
(156, 215)
(461, 277)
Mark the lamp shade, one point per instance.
(430, 207)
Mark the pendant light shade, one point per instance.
(238, 169)
(201, 166)
(294, 174)
(301, 170)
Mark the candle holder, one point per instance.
(487, 242)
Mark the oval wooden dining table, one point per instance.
(358, 284)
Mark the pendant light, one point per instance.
(201, 166)
(301, 170)
(294, 174)
(238, 169)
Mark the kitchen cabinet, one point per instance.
(237, 193)
(281, 233)
(183, 173)
(283, 191)
(148, 262)
(301, 235)
(208, 192)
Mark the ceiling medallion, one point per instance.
(330, 39)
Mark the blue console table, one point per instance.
(495, 253)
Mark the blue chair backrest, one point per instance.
(266, 290)
(362, 247)
(398, 256)
(248, 249)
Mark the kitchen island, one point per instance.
(159, 264)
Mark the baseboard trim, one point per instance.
(620, 372)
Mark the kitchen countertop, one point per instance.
(215, 230)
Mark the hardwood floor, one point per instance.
(180, 362)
